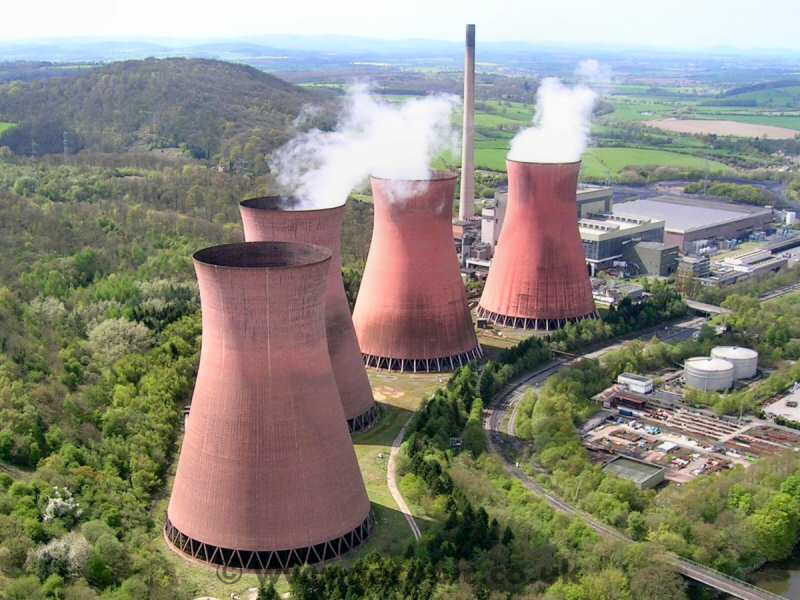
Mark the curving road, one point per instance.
(501, 442)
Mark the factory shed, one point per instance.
(645, 475)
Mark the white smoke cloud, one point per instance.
(562, 122)
(595, 74)
(373, 137)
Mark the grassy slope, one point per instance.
(4, 126)
(771, 98)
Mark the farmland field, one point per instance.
(604, 162)
(601, 162)
(721, 127)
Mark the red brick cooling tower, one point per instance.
(411, 313)
(538, 278)
(273, 218)
(267, 477)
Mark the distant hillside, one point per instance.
(218, 110)
(780, 94)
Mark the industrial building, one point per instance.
(609, 293)
(646, 476)
(492, 217)
(538, 277)
(756, 263)
(275, 219)
(690, 220)
(651, 258)
(636, 383)
(694, 266)
(267, 477)
(411, 313)
(605, 236)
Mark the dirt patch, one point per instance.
(732, 128)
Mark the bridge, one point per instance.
(707, 309)
(500, 443)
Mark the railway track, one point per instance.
(503, 408)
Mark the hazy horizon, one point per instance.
(681, 25)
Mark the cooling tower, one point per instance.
(273, 218)
(538, 277)
(411, 313)
(267, 477)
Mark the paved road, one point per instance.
(779, 292)
(501, 443)
(391, 481)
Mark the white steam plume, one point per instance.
(562, 121)
(373, 137)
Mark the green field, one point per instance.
(4, 126)
(600, 162)
(604, 162)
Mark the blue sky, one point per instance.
(666, 23)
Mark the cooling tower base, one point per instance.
(423, 365)
(267, 560)
(365, 420)
(535, 324)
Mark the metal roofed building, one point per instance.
(645, 475)
(691, 219)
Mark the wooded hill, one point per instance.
(213, 109)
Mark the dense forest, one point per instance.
(230, 113)
(99, 340)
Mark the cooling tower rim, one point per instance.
(277, 203)
(556, 163)
(270, 256)
(436, 175)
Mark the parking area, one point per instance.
(787, 407)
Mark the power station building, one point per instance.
(691, 220)
(275, 219)
(651, 258)
(605, 237)
(538, 277)
(411, 313)
(267, 477)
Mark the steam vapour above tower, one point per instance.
(562, 122)
(372, 137)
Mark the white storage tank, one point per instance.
(744, 360)
(708, 373)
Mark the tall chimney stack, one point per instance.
(465, 207)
